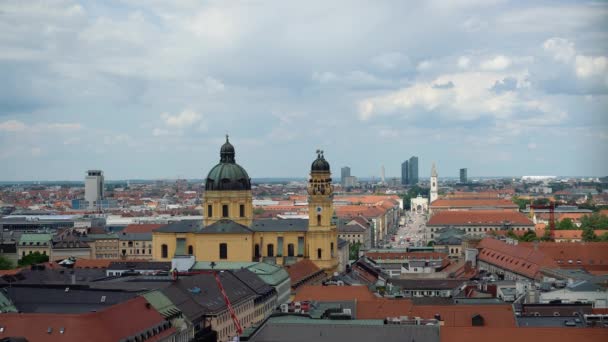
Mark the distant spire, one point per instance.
(433, 171)
(227, 137)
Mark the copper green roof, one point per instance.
(102, 236)
(161, 303)
(35, 238)
(5, 304)
(227, 175)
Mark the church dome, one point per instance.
(227, 175)
(320, 164)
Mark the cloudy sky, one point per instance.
(148, 89)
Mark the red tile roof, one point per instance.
(499, 316)
(105, 325)
(479, 217)
(141, 228)
(381, 308)
(472, 203)
(589, 253)
(301, 270)
(333, 293)
(499, 334)
(520, 259)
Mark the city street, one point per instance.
(411, 232)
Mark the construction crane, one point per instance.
(176, 274)
(551, 208)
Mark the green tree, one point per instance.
(511, 234)
(521, 203)
(547, 235)
(258, 211)
(565, 224)
(5, 263)
(529, 236)
(34, 258)
(589, 235)
(353, 253)
(594, 221)
(430, 244)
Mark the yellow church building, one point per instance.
(228, 231)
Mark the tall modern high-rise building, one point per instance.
(463, 175)
(93, 188)
(413, 170)
(345, 173)
(405, 173)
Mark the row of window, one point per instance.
(143, 251)
(226, 210)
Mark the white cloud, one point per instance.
(464, 62)
(424, 66)
(184, 119)
(470, 97)
(324, 77)
(214, 85)
(19, 126)
(12, 126)
(561, 49)
(391, 60)
(496, 64)
(588, 66)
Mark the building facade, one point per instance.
(405, 173)
(344, 172)
(229, 233)
(413, 170)
(434, 194)
(463, 175)
(93, 188)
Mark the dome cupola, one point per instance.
(227, 175)
(320, 164)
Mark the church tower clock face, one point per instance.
(319, 210)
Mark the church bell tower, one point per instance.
(434, 186)
(322, 237)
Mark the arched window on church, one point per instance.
(332, 249)
(319, 253)
(190, 250)
(290, 250)
(270, 250)
(164, 251)
(318, 220)
(256, 250)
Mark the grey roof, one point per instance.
(423, 284)
(199, 295)
(225, 227)
(184, 226)
(58, 300)
(280, 225)
(301, 329)
(135, 236)
(342, 243)
(59, 276)
(349, 228)
(253, 281)
(140, 265)
(8, 248)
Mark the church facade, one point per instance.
(228, 231)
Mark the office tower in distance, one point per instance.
(463, 175)
(413, 170)
(93, 188)
(345, 173)
(405, 172)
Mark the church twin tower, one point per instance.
(229, 232)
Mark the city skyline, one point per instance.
(149, 91)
